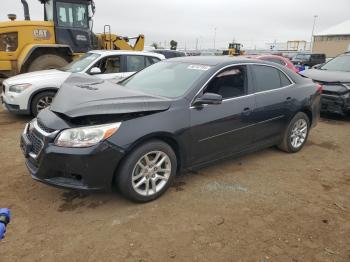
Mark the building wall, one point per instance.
(331, 45)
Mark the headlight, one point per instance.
(19, 88)
(86, 136)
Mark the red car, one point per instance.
(277, 59)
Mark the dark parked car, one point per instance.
(335, 78)
(169, 53)
(309, 60)
(177, 114)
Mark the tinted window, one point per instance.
(135, 63)
(284, 80)
(151, 60)
(230, 83)
(269, 78)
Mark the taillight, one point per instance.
(319, 88)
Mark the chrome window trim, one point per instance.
(233, 98)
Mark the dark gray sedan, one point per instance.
(178, 114)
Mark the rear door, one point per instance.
(273, 100)
(219, 130)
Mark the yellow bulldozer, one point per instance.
(65, 33)
(234, 49)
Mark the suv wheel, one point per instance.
(296, 134)
(41, 101)
(147, 172)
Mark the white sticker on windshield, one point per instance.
(198, 67)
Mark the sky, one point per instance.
(198, 23)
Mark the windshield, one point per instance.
(80, 64)
(167, 79)
(340, 63)
(302, 57)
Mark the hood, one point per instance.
(327, 76)
(86, 96)
(51, 77)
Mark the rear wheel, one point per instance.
(49, 61)
(147, 172)
(41, 101)
(296, 134)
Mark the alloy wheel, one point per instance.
(44, 102)
(151, 173)
(299, 133)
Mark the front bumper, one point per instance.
(338, 104)
(12, 108)
(91, 168)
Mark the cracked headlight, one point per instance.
(86, 136)
(19, 88)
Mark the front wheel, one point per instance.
(41, 101)
(296, 134)
(147, 172)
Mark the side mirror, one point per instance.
(208, 99)
(95, 71)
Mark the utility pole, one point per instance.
(312, 33)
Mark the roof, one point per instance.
(210, 60)
(339, 29)
(126, 52)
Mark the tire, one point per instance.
(130, 174)
(38, 101)
(288, 143)
(49, 61)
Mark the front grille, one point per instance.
(44, 127)
(37, 143)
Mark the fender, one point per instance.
(55, 89)
(30, 49)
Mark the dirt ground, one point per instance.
(266, 206)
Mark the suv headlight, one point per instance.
(19, 88)
(86, 136)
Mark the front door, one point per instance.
(226, 128)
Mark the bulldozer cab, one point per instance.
(234, 49)
(72, 22)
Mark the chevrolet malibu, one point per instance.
(177, 114)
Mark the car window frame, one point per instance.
(271, 90)
(251, 86)
(229, 68)
(92, 65)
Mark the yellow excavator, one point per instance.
(65, 33)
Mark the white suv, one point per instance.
(31, 92)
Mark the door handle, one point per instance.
(246, 111)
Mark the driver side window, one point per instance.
(229, 83)
(109, 65)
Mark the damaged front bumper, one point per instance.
(91, 168)
(335, 99)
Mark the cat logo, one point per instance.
(41, 34)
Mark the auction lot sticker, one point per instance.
(198, 67)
